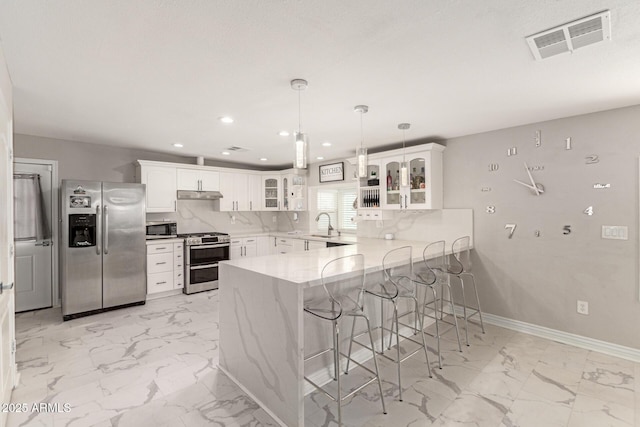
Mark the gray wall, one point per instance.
(96, 162)
(538, 279)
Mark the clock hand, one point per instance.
(535, 187)
(529, 186)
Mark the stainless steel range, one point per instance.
(202, 252)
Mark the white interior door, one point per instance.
(7, 316)
(34, 257)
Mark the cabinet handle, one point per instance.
(161, 249)
(161, 283)
(406, 205)
(175, 205)
(160, 263)
(250, 205)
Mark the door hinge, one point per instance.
(10, 154)
(13, 346)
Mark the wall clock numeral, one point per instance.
(490, 209)
(493, 167)
(591, 159)
(538, 138)
(567, 144)
(512, 151)
(537, 233)
(566, 230)
(589, 210)
(512, 228)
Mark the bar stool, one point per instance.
(460, 266)
(434, 275)
(399, 282)
(343, 282)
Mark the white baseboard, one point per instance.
(592, 344)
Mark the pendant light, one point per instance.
(404, 167)
(362, 151)
(301, 145)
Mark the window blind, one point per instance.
(338, 203)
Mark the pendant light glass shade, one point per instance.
(301, 150)
(362, 162)
(404, 174)
(361, 152)
(404, 166)
(301, 142)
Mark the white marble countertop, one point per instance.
(345, 238)
(164, 241)
(304, 267)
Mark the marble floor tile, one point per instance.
(530, 410)
(589, 411)
(156, 365)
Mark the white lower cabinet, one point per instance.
(244, 247)
(307, 245)
(165, 266)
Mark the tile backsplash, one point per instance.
(194, 216)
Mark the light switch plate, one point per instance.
(618, 232)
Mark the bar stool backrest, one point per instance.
(398, 268)
(461, 261)
(343, 280)
(434, 259)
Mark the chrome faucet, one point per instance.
(330, 228)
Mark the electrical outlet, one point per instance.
(583, 307)
(233, 219)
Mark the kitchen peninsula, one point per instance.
(263, 334)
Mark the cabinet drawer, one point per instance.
(159, 282)
(157, 249)
(178, 258)
(160, 263)
(178, 279)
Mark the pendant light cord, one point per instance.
(403, 150)
(361, 131)
(299, 114)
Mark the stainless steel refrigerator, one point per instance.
(103, 249)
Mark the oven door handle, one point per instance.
(200, 267)
(208, 246)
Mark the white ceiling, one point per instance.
(148, 73)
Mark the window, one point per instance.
(338, 203)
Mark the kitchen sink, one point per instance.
(324, 236)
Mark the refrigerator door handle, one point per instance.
(105, 238)
(99, 230)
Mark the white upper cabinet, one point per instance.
(424, 189)
(198, 180)
(271, 189)
(241, 191)
(160, 187)
(254, 184)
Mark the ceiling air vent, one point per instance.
(571, 36)
(236, 149)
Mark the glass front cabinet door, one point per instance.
(391, 184)
(425, 184)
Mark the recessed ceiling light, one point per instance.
(225, 153)
(326, 144)
(284, 133)
(263, 159)
(178, 145)
(226, 119)
(319, 158)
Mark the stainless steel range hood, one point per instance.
(199, 195)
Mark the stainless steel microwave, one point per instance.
(161, 230)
